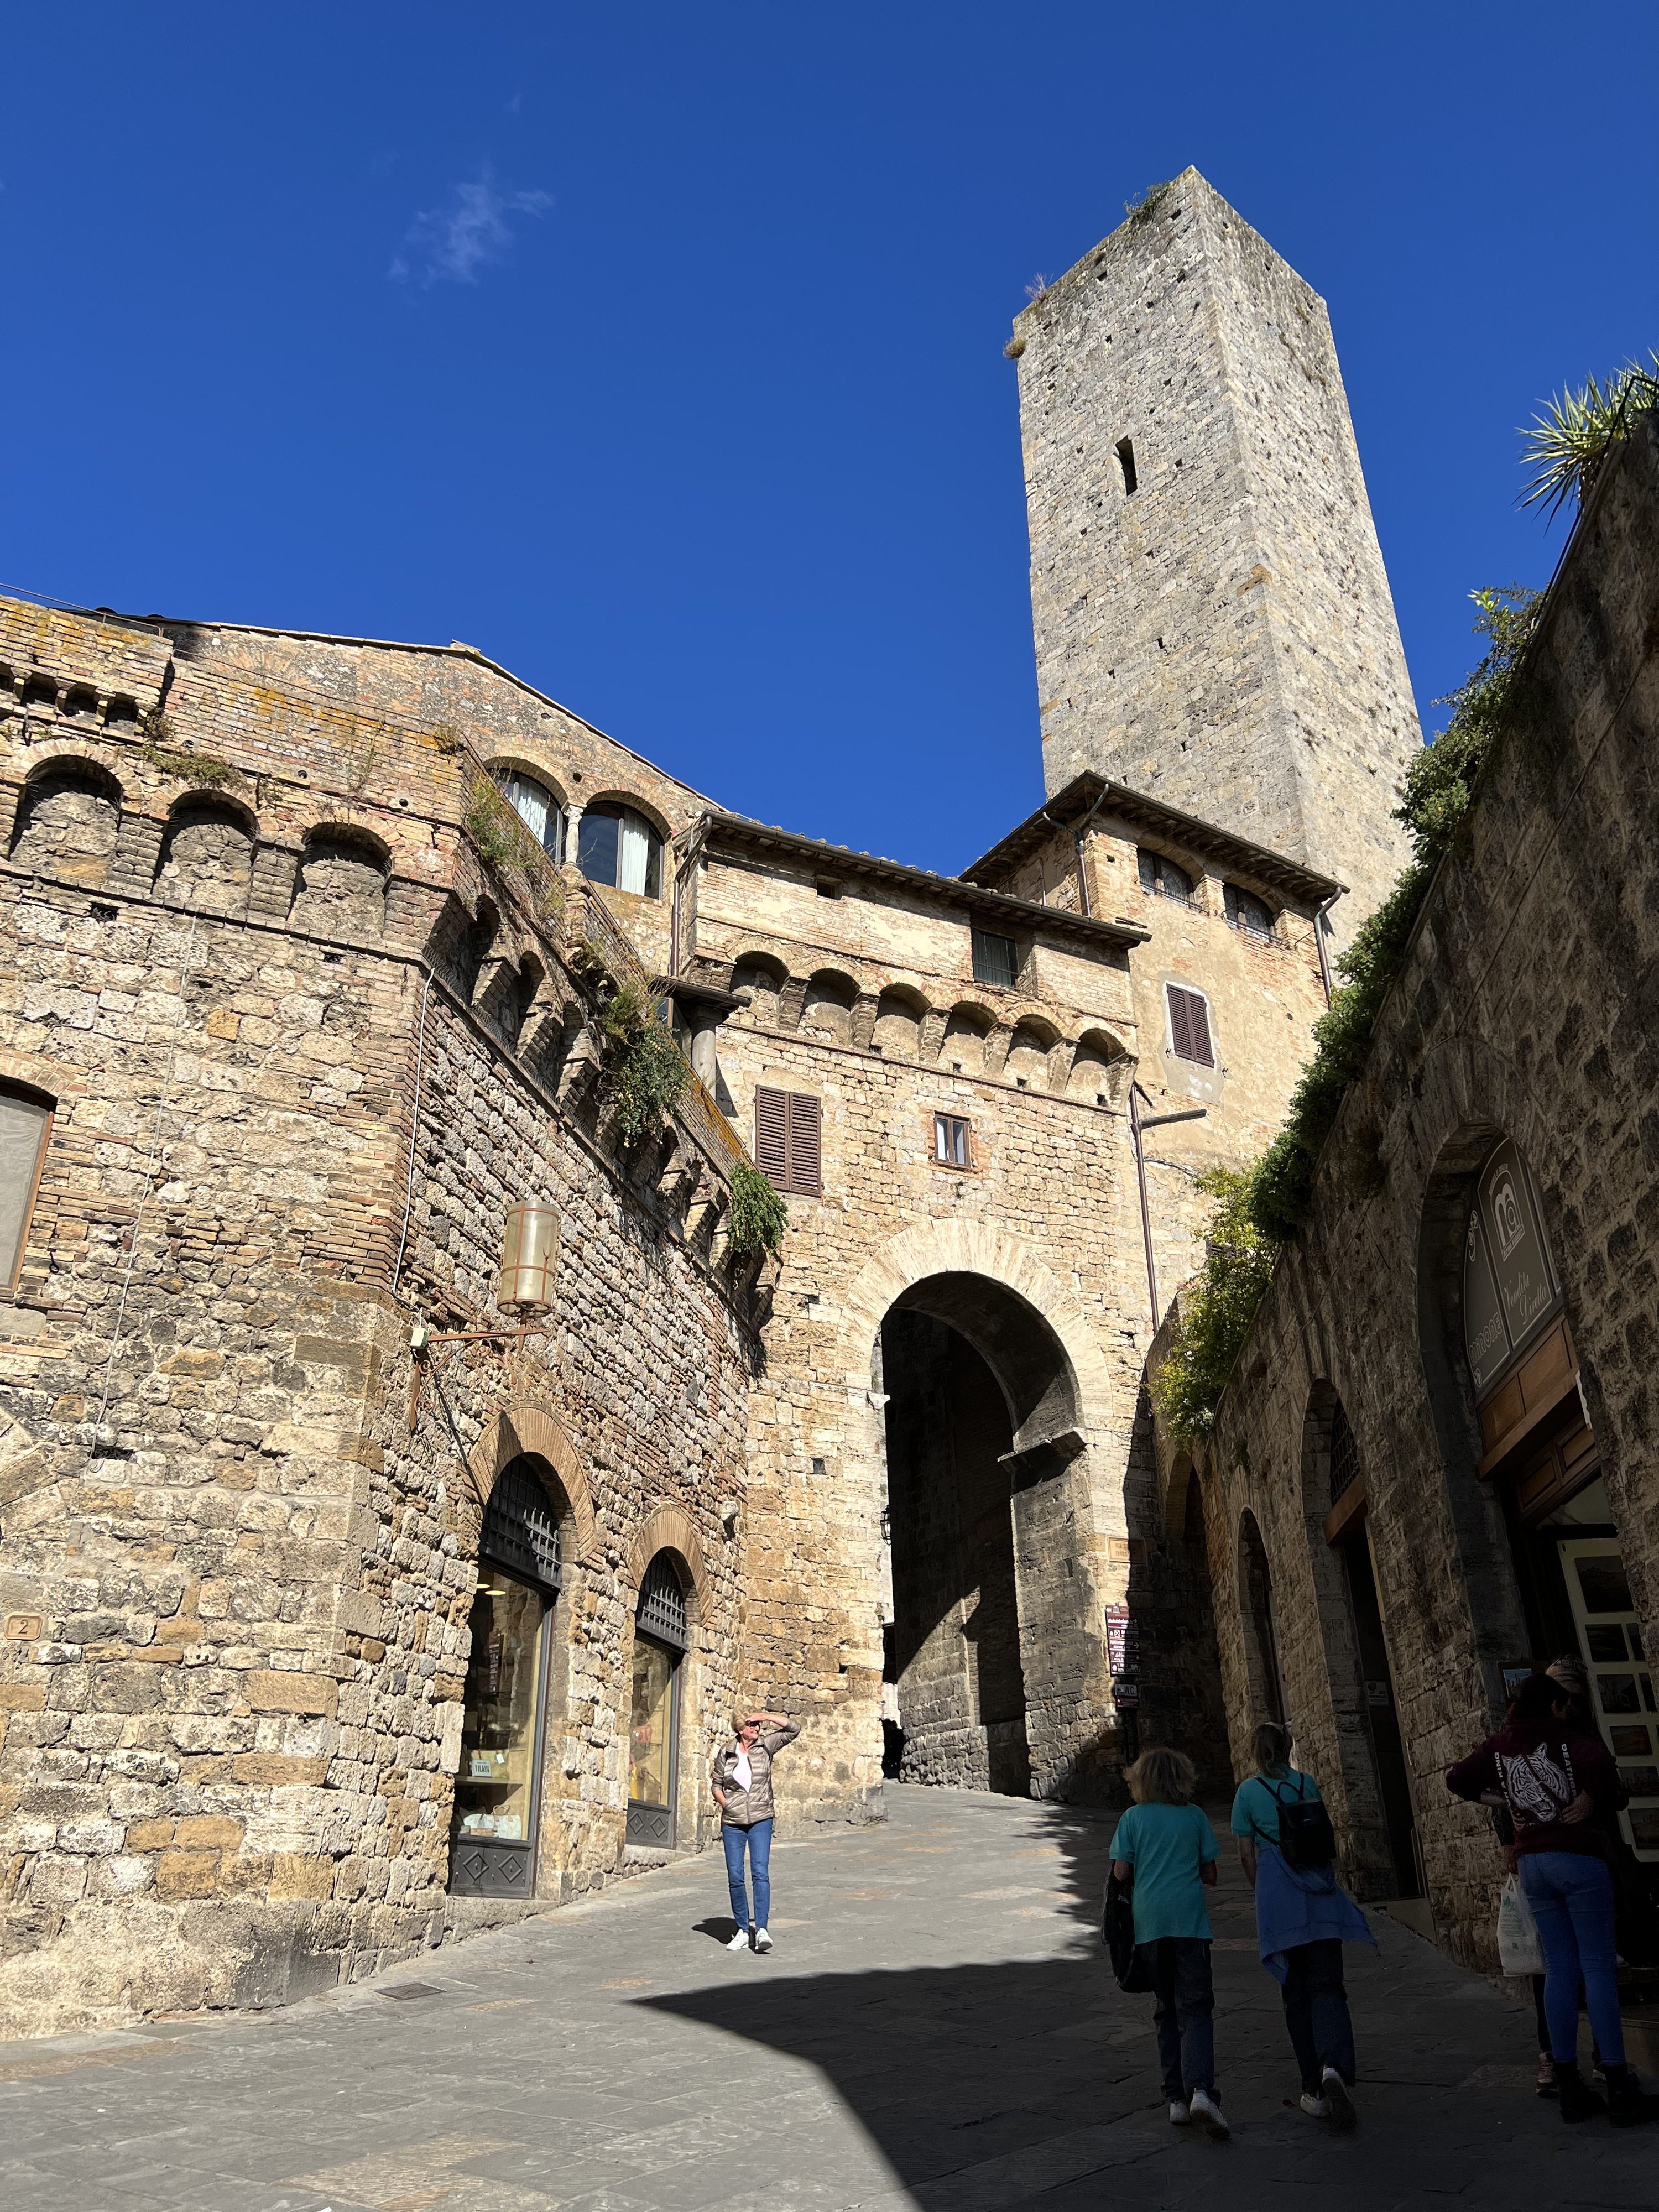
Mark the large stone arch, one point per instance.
(983, 1288)
(519, 1427)
(929, 1250)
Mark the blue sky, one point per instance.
(658, 352)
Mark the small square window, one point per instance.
(994, 960)
(951, 1141)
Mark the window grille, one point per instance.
(994, 960)
(1246, 912)
(661, 1609)
(1344, 1453)
(520, 1529)
(788, 1141)
(1189, 1026)
(1160, 874)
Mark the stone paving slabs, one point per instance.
(936, 2029)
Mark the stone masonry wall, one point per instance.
(1525, 1009)
(235, 1581)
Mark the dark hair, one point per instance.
(1536, 1698)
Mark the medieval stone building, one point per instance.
(403, 1471)
(1433, 1469)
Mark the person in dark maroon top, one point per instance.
(1558, 1783)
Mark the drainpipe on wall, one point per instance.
(1136, 1124)
(1319, 926)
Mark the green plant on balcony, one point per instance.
(495, 833)
(645, 1071)
(759, 1216)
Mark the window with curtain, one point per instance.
(615, 845)
(538, 809)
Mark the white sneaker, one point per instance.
(739, 1941)
(1316, 2108)
(762, 1941)
(1207, 2112)
(1180, 2113)
(1335, 2094)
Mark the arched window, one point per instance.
(1163, 875)
(538, 809)
(25, 1125)
(1246, 912)
(617, 846)
(208, 858)
(498, 1788)
(661, 1637)
(1509, 1290)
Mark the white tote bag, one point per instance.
(1519, 1950)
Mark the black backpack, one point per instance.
(1117, 1932)
(1306, 1838)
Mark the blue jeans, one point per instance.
(759, 1840)
(1571, 1901)
(1316, 2011)
(1184, 2015)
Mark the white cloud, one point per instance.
(451, 245)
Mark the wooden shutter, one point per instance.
(772, 1137)
(805, 1150)
(1181, 1029)
(787, 1142)
(1189, 1027)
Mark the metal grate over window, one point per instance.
(1344, 1453)
(662, 1604)
(520, 1529)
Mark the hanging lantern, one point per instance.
(530, 1258)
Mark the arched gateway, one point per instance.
(982, 1375)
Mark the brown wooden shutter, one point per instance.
(1199, 1015)
(1181, 1029)
(805, 1149)
(772, 1137)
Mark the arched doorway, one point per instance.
(1255, 1592)
(990, 1594)
(661, 1638)
(1338, 1494)
(1539, 1454)
(497, 1811)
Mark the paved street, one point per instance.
(937, 2028)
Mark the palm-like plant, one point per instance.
(1570, 440)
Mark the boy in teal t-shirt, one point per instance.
(1166, 1843)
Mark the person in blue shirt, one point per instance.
(1302, 1918)
(1167, 1844)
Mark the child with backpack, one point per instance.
(1166, 1845)
(1288, 1852)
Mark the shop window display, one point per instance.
(660, 1635)
(497, 1788)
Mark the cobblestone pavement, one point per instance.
(936, 2029)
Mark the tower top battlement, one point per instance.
(1212, 620)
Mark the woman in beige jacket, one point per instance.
(743, 1790)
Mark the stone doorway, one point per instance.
(989, 1605)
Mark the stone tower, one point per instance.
(1214, 623)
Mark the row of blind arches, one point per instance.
(902, 1024)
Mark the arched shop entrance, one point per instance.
(497, 1812)
(1540, 1451)
(989, 1586)
(661, 1638)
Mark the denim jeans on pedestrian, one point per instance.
(759, 1840)
(1316, 2011)
(1571, 1898)
(1178, 1967)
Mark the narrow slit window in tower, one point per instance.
(1126, 454)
